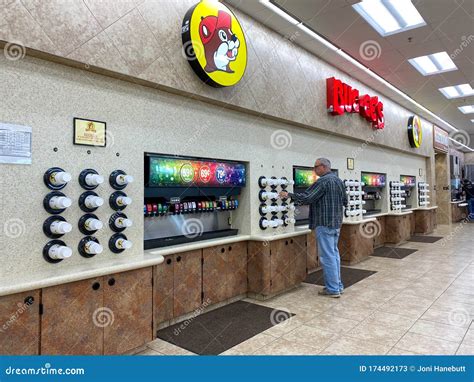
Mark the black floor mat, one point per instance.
(219, 330)
(349, 276)
(425, 239)
(393, 252)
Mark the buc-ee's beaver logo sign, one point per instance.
(214, 43)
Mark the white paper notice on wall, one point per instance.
(15, 144)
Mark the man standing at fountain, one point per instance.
(326, 197)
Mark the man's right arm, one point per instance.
(310, 195)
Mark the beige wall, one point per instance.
(46, 96)
(141, 38)
(281, 101)
(468, 158)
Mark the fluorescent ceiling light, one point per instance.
(457, 91)
(433, 63)
(388, 17)
(467, 109)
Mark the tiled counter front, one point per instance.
(425, 220)
(312, 259)
(116, 313)
(356, 242)
(379, 238)
(397, 228)
(458, 212)
(20, 320)
(103, 315)
(276, 266)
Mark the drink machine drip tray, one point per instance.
(175, 240)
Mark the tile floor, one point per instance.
(422, 304)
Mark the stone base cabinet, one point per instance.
(276, 266)
(194, 280)
(397, 228)
(104, 315)
(425, 221)
(177, 286)
(356, 242)
(224, 272)
(20, 323)
(312, 259)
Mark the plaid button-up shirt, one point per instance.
(326, 197)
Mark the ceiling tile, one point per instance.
(437, 10)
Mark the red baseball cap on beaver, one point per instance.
(210, 24)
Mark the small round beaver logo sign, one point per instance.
(415, 131)
(214, 43)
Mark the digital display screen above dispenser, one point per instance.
(304, 177)
(408, 180)
(373, 179)
(167, 171)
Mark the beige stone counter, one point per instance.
(352, 222)
(400, 213)
(426, 208)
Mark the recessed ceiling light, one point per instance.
(390, 16)
(457, 91)
(433, 63)
(467, 109)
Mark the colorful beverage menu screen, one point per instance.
(373, 179)
(180, 172)
(408, 180)
(304, 177)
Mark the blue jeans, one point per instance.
(470, 208)
(329, 258)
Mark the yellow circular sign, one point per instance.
(415, 131)
(214, 43)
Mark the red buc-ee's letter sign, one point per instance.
(342, 98)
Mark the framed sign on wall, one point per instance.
(350, 163)
(88, 132)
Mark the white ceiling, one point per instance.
(449, 23)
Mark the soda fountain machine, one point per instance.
(409, 186)
(303, 178)
(374, 195)
(189, 199)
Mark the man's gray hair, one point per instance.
(325, 162)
